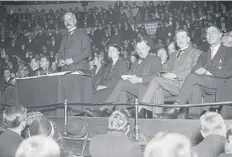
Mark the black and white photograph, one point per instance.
(115, 78)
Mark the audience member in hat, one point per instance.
(169, 145)
(39, 146)
(44, 126)
(213, 129)
(115, 143)
(14, 118)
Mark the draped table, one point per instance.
(53, 89)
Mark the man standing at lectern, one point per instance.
(75, 47)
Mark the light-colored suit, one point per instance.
(161, 87)
(195, 86)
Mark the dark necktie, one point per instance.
(180, 52)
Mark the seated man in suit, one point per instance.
(213, 67)
(44, 65)
(174, 74)
(111, 75)
(213, 129)
(34, 70)
(14, 118)
(115, 143)
(139, 76)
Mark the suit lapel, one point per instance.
(218, 55)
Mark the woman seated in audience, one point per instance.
(99, 69)
(44, 126)
(115, 143)
(171, 47)
(162, 53)
(115, 68)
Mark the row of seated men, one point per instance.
(189, 74)
(27, 134)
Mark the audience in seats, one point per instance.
(213, 129)
(212, 69)
(112, 74)
(116, 142)
(138, 77)
(38, 146)
(169, 145)
(14, 118)
(174, 72)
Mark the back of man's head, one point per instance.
(14, 116)
(212, 123)
(38, 146)
(169, 145)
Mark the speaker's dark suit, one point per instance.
(195, 86)
(75, 46)
(111, 76)
(148, 68)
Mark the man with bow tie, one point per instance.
(138, 77)
(213, 68)
(174, 72)
(75, 47)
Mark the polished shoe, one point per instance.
(98, 113)
(173, 113)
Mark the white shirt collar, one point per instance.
(214, 50)
(184, 47)
(72, 30)
(215, 47)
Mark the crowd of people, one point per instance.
(188, 57)
(19, 45)
(31, 134)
